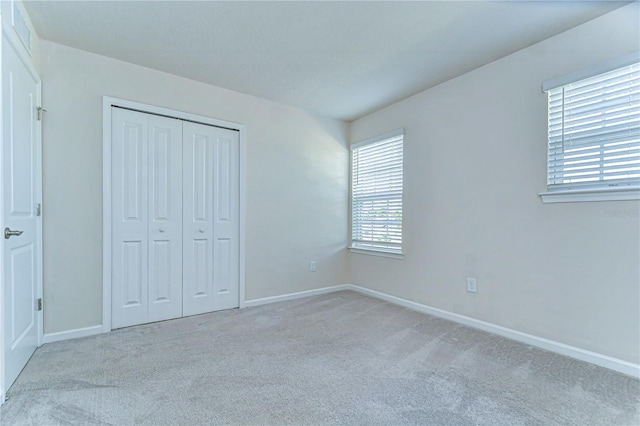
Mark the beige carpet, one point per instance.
(340, 358)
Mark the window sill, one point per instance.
(579, 196)
(372, 252)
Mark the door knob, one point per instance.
(161, 229)
(201, 230)
(8, 233)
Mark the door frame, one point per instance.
(24, 57)
(107, 103)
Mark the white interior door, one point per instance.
(211, 218)
(20, 192)
(146, 218)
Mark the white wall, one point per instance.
(296, 181)
(475, 158)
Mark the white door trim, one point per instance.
(12, 39)
(107, 103)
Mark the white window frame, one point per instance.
(360, 246)
(596, 191)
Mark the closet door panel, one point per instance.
(225, 218)
(130, 218)
(165, 218)
(198, 155)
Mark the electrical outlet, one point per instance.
(471, 285)
(312, 266)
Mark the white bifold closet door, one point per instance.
(211, 216)
(147, 218)
(175, 218)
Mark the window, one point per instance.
(594, 134)
(376, 191)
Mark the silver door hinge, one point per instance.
(40, 110)
(40, 304)
(38, 209)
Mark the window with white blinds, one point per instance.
(376, 190)
(594, 132)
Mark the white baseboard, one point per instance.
(601, 360)
(298, 295)
(72, 334)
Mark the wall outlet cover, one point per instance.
(471, 285)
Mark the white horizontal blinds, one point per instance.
(377, 195)
(594, 131)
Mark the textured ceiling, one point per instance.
(339, 59)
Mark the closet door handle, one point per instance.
(161, 229)
(201, 230)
